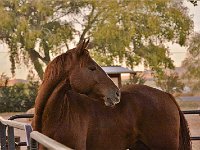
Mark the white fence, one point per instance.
(7, 137)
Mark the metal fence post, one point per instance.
(3, 136)
(11, 138)
(34, 144)
(28, 130)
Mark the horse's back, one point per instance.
(143, 89)
(153, 102)
(149, 98)
(158, 115)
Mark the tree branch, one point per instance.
(37, 65)
(36, 55)
(91, 20)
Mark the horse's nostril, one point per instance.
(118, 93)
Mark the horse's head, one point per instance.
(83, 73)
(87, 77)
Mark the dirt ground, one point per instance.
(193, 121)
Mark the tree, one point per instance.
(193, 2)
(170, 83)
(135, 79)
(19, 97)
(192, 62)
(120, 30)
(26, 25)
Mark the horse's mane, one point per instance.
(54, 73)
(56, 67)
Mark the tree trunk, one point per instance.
(36, 63)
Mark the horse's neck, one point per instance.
(58, 98)
(54, 74)
(44, 93)
(65, 115)
(65, 104)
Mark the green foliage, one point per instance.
(138, 30)
(131, 31)
(18, 98)
(192, 63)
(25, 25)
(170, 83)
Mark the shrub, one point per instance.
(18, 98)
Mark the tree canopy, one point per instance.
(192, 62)
(170, 82)
(130, 31)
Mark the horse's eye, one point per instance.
(92, 68)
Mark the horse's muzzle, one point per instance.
(111, 101)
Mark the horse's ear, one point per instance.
(86, 44)
(82, 46)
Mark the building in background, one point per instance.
(116, 73)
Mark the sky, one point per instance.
(177, 53)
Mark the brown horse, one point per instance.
(71, 108)
(84, 76)
(145, 118)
